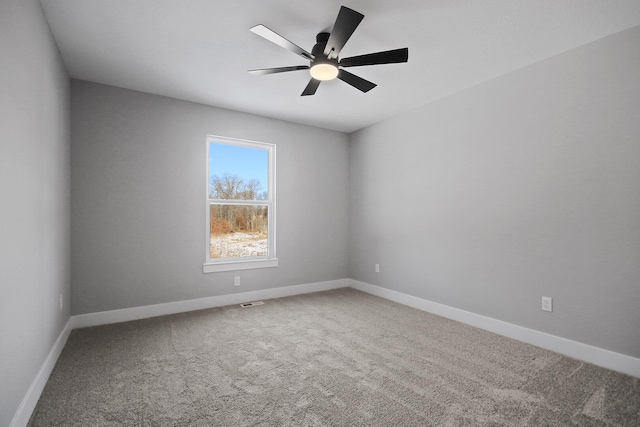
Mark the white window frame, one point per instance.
(213, 265)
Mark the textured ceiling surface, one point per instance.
(200, 50)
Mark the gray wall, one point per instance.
(138, 199)
(34, 194)
(524, 186)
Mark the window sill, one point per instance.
(239, 265)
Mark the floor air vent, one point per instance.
(251, 304)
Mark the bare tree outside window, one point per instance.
(238, 230)
(239, 201)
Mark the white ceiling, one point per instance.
(200, 50)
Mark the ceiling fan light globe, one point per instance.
(324, 71)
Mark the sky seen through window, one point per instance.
(244, 162)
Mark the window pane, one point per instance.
(238, 173)
(238, 231)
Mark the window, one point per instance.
(240, 205)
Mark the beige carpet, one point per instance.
(337, 358)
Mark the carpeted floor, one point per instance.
(336, 358)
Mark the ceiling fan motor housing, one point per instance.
(322, 67)
(321, 43)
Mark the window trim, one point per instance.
(213, 265)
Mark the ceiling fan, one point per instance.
(324, 63)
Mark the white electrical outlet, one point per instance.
(61, 301)
(547, 304)
(377, 268)
(236, 281)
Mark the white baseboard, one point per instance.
(135, 313)
(28, 404)
(597, 356)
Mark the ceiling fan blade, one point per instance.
(355, 81)
(276, 38)
(264, 71)
(346, 23)
(387, 57)
(311, 87)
